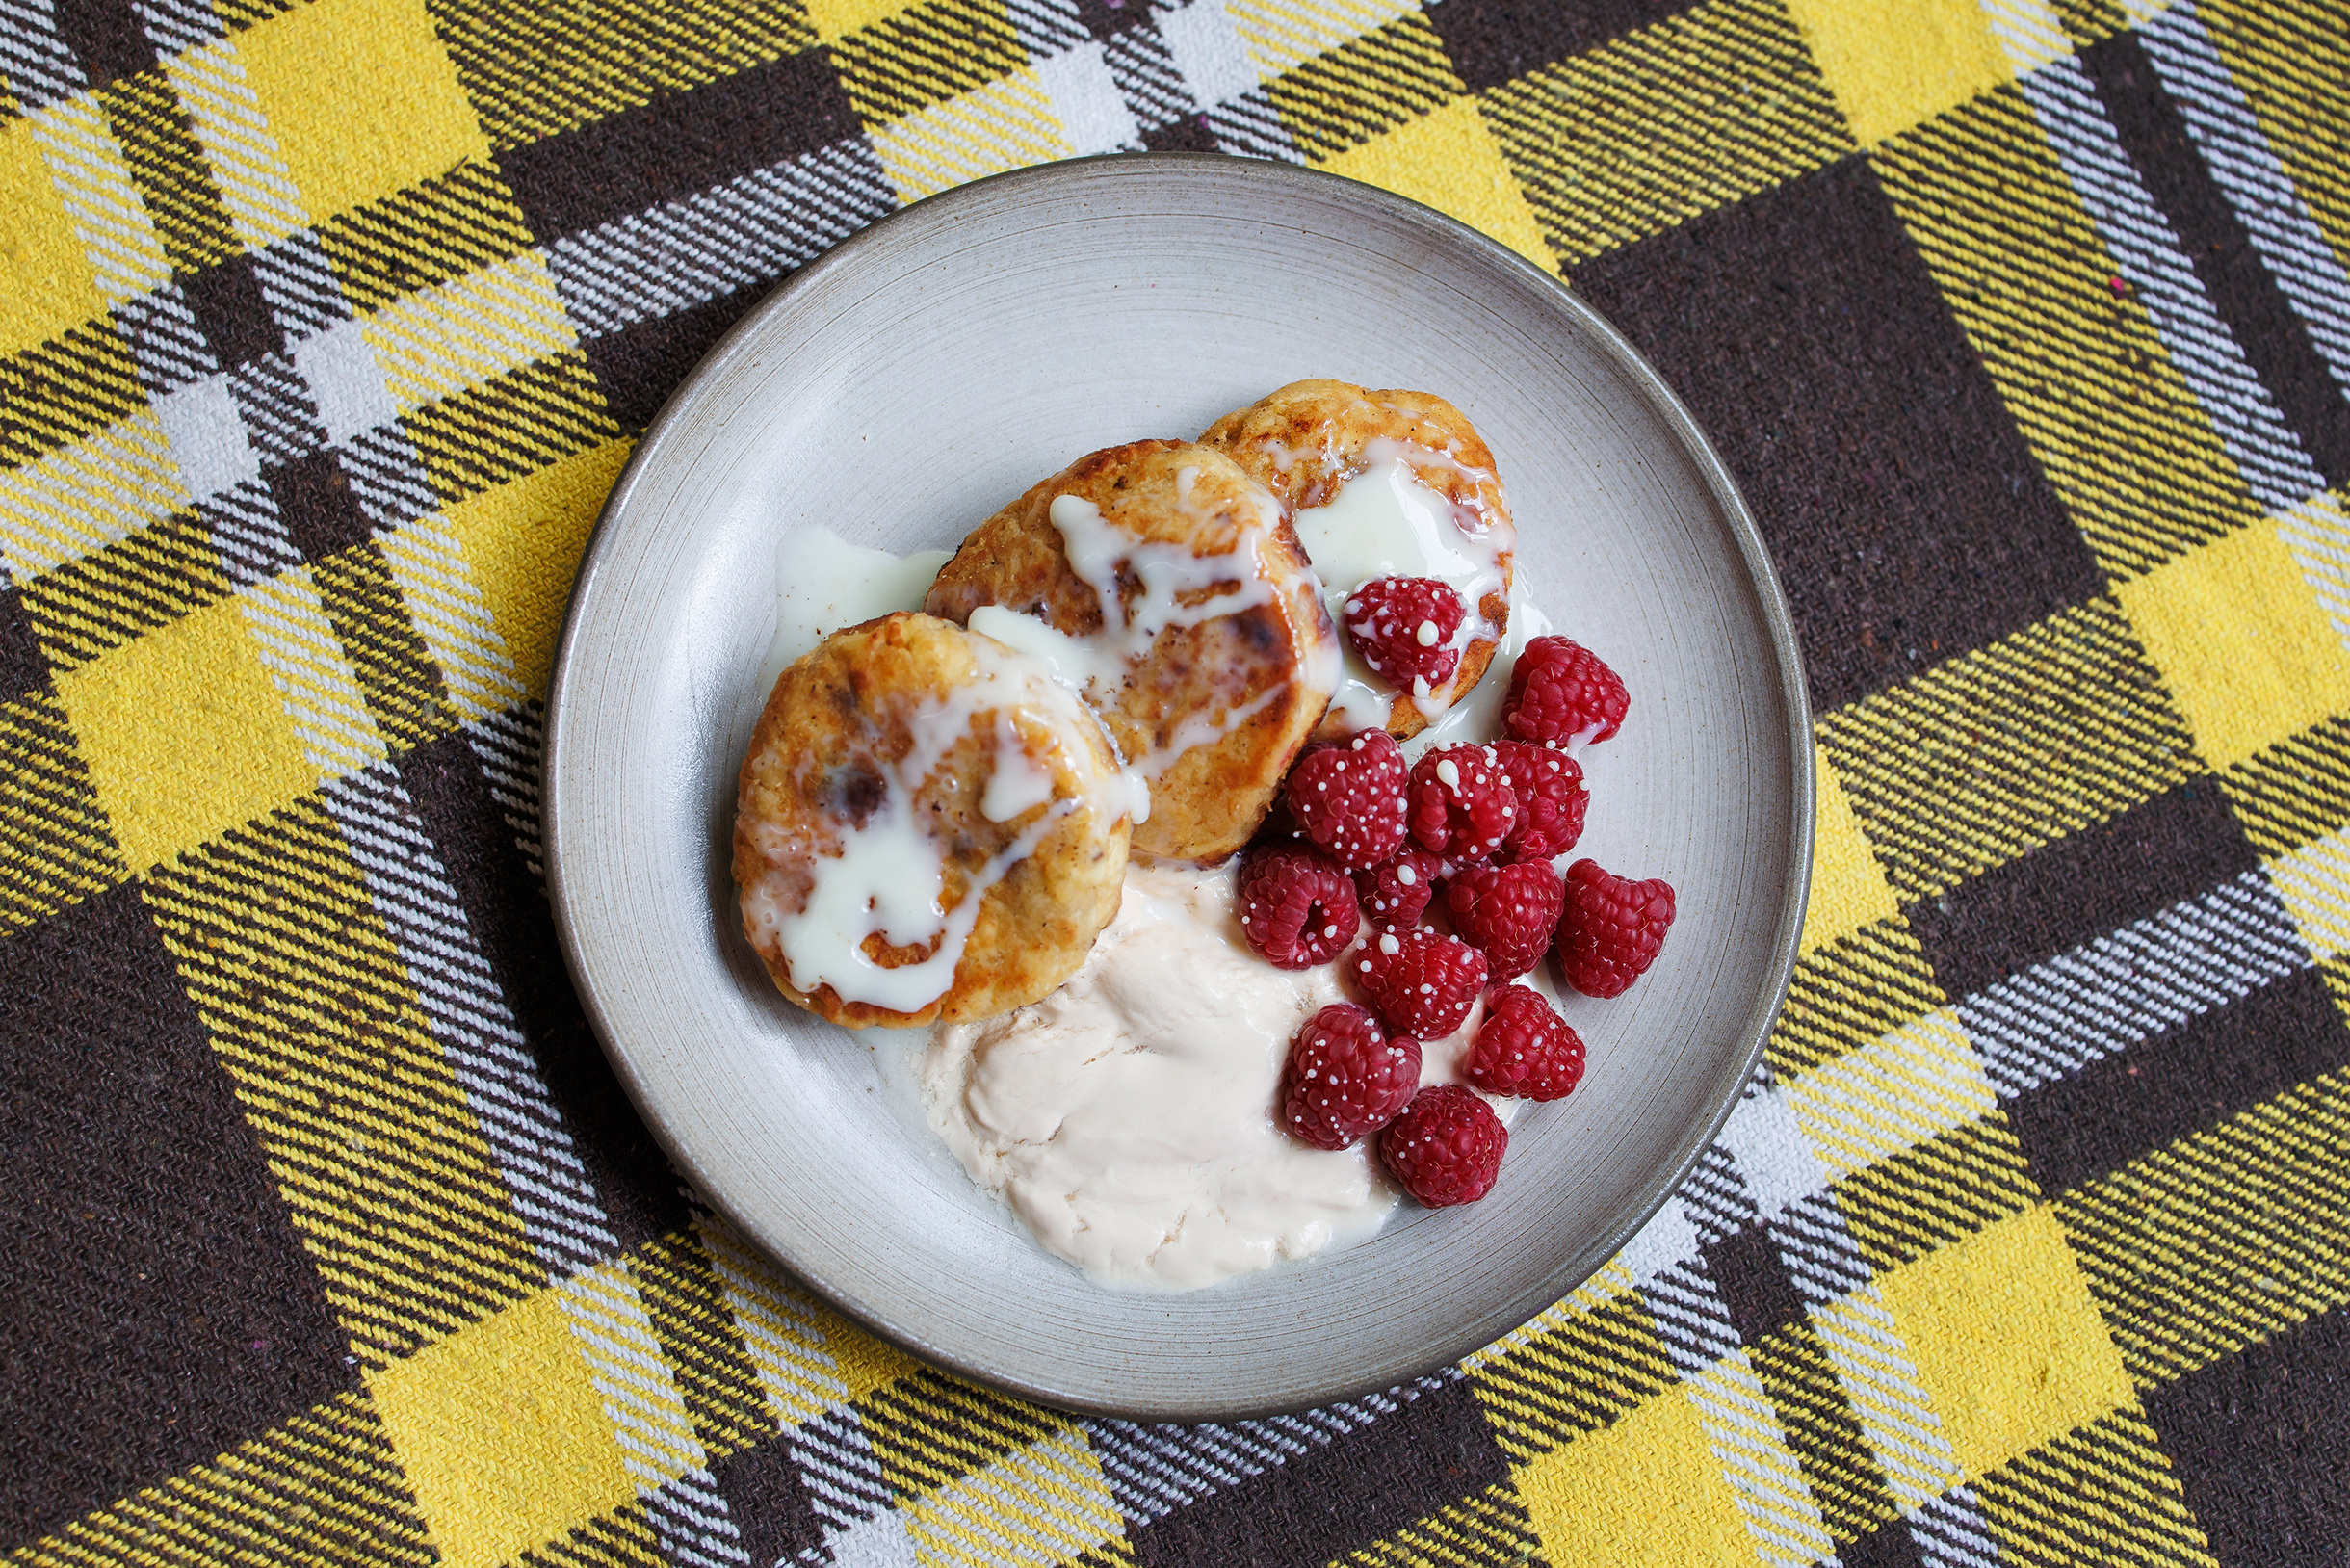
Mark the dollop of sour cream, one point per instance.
(1127, 1119)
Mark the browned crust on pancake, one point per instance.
(1306, 439)
(810, 772)
(1207, 803)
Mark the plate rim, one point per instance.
(1776, 611)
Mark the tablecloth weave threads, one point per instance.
(325, 327)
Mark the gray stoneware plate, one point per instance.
(898, 390)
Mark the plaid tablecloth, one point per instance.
(324, 1232)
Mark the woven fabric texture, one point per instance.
(326, 1233)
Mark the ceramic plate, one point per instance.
(898, 391)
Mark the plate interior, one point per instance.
(898, 392)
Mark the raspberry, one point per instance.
(1523, 1048)
(1403, 627)
(1447, 1146)
(1561, 690)
(1422, 983)
(1345, 1077)
(1611, 929)
(1348, 795)
(1551, 801)
(1506, 912)
(1398, 892)
(1296, 908)
(1462, 806)
(1448, 869)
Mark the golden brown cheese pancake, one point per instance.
(1310, 441)
(1169, 587)
(928, 825)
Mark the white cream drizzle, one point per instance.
(1205, 729)
(1285, 455)
(889, 874)
(1018, 782)
(1385, 522)
(826, 582)
(1066, 658)
(1097, 549)
(1100, 663)
(1071, 661)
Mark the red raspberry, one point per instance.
(1506, 912)
(1397, 893)
(1422, 983)
(1296, 908)
(1447, 1146)
(1348, 795)
(1345, 1077)
(1462, 807)
(1551, 801)
(1450, 871)
(1403, 627)
(1611, 929)
(1523, 1048)
(1561, 690)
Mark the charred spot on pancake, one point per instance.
(854, 791)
